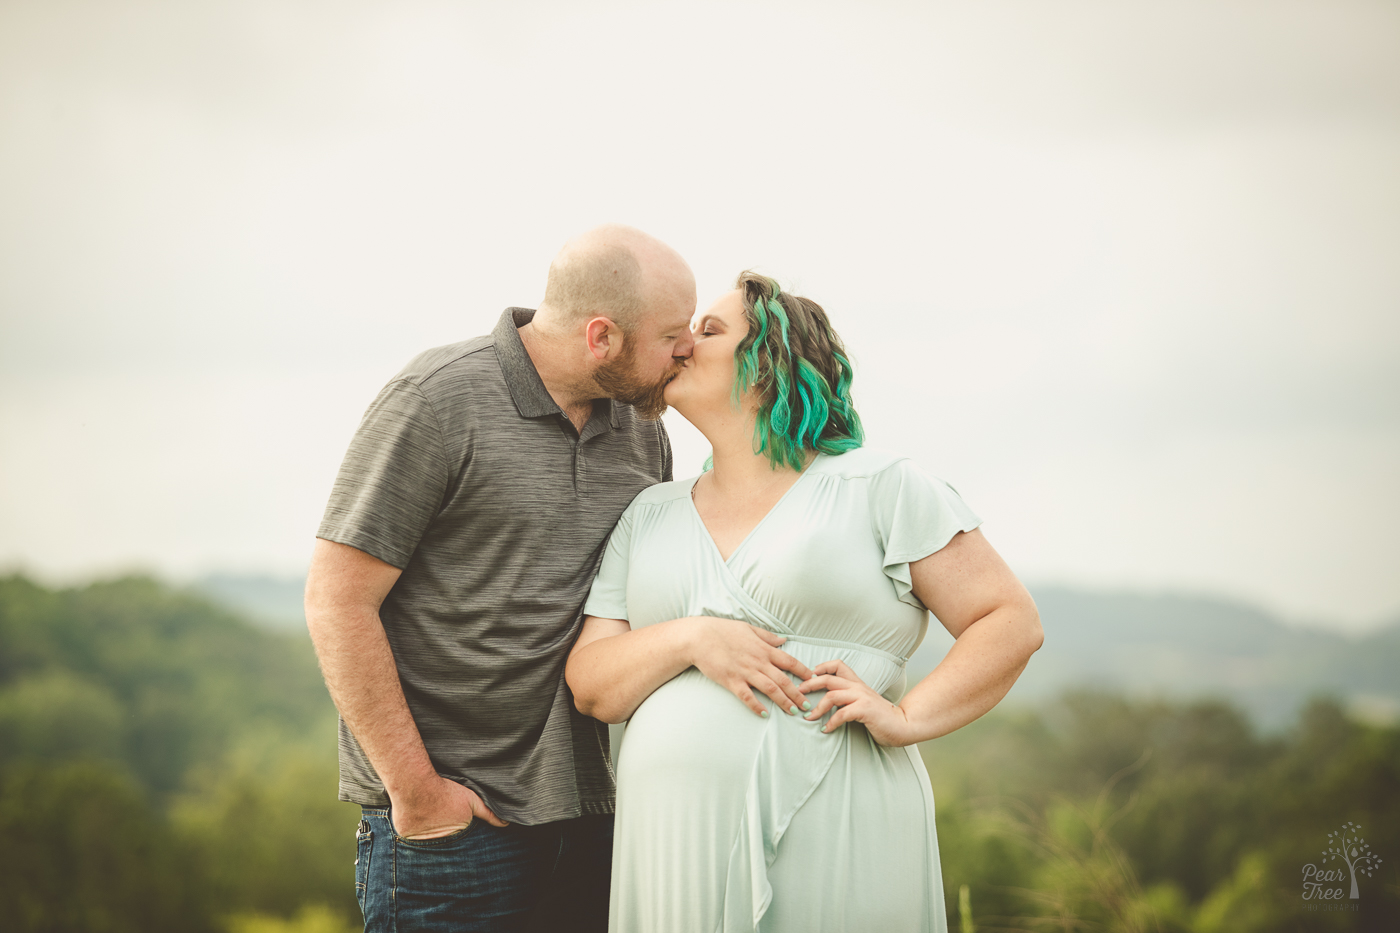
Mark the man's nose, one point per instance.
(684, 346)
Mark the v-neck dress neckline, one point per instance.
(714, 545)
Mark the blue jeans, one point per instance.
(484, 879)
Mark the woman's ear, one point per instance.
(604, 338)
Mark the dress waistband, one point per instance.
(849, 645)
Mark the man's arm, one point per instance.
(344, 591)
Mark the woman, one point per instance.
(810, 809)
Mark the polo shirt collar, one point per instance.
(527, 390)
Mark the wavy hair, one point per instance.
(798, 368)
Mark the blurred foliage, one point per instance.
(165, 766)
(1099, 813)
(313, 918)
(271, 839)
(153, 678)
(83, 851)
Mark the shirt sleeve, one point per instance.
(393, 480)
(608, 598)
(668, 462)
(915, 515)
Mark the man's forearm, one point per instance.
(364, 683)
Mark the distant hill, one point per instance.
(1180, 646)
(274, 603)
(158, 680)
(1140, 644)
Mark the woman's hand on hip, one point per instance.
(744, 658)
(854, 701)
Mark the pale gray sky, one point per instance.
(1128, 275)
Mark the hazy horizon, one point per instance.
(1125, 276)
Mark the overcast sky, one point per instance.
(1127, 275)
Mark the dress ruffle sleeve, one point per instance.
(915, 515)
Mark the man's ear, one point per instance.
(604, 338)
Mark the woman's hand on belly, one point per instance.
(854, 701)
(613, 668)
(743, 658)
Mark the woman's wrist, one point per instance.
(689, 635)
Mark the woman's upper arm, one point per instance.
(595, 628)
(965, 581)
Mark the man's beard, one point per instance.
(619, 382)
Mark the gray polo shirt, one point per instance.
(466, 475)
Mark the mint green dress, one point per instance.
(730, 822)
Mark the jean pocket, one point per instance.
(438, 842)
(364, 849)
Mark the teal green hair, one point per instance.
(798, 368)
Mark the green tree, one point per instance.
(272, 837)
(83, 852)
(158, 679)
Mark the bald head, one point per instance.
(614, 271)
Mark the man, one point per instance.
(460, 540)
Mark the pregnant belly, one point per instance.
(684, 770)
(690, 737)
(696, 734)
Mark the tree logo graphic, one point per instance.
(1344, 845)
